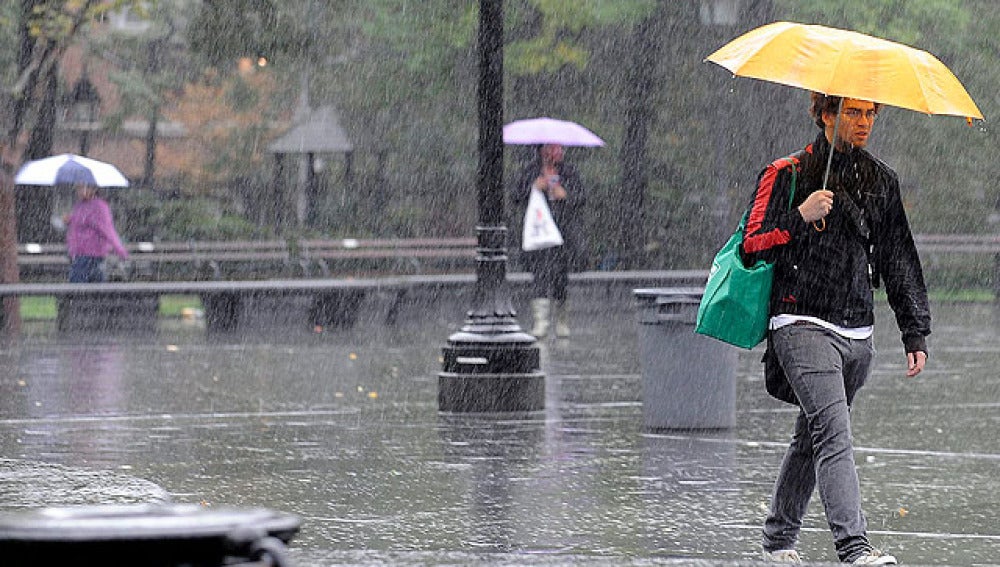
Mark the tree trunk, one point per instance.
(10, 318)
(152, 120)
(33, 206)
(640, 81)
(149, 168)
(40, 141)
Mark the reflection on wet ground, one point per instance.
(341, 427)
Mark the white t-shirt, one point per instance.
(779, 321)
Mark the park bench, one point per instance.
(148, 261)
(309, 258)
(151, 261)
(307, 304)
(256, 259)
(213, 260)
(51, 259)
(242, 259)
(42, 261)
(958, 243)
(325, 257)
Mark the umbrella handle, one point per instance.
(821, 225)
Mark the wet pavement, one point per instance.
(341, 427)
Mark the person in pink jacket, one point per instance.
(90, 236)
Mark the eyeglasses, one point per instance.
(855, 113)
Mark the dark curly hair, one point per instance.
(820, 103)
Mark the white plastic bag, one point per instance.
(540, 230)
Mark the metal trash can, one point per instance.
(688, 380)
(147, 535)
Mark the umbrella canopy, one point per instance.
(70, 169)
(543, 130)
(847, 64)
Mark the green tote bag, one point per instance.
(734, 306)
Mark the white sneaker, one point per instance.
(875, 557)
(782, 556)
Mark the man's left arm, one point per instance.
(898, 264)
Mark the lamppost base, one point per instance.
(491, 373)
(486, 393)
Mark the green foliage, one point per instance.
(200, 219)
(581, 14)
(38, 308)
(56, 20)
(544, 54)
(547, 32)
(147, 68)
(225, 31)
(44, 308)
(241, 96)
(913, 22)
(52, 25)
(439, 28)
(8, 42)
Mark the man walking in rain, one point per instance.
(830, 248)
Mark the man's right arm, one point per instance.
(768, 226)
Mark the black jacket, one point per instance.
(567, 213)
(830, 274)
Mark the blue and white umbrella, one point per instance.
(70, 169)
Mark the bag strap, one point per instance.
(791, 196)
(795, 170)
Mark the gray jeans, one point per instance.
(825, 370)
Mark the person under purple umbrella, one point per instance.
(559, 181)
(90, 235)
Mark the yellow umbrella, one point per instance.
(847, 64)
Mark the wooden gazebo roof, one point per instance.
(318, 132)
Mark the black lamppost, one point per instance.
(721, 16)
(85, 106)
(720, 12)
(491, 365)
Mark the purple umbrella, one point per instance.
(535, 131)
